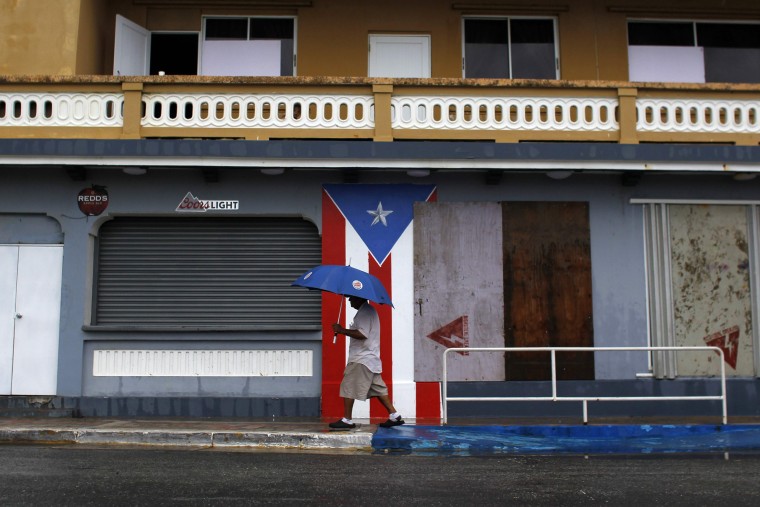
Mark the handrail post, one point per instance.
(554, 374)
(444, 390)
(723, 386)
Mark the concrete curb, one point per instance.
(359, 441)
(295, 440)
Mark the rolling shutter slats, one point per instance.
(206, 272)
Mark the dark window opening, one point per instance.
(174, 53)
(226, 29)
(271, 28)
(509, 48)
(726, 35)
(660, 34)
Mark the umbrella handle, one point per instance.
(340, 312)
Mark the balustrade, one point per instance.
(383, 112)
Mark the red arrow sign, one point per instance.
(454, 334)
(727, 341)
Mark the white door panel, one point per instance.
(38, 302)
(399, 56)
(8, 269)
(131, 49)
(30, 302)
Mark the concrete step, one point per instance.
(19, 412)
(34, 406)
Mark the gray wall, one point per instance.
(619, 282)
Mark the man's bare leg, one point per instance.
(348, 408)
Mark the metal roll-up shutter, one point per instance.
(215, 272)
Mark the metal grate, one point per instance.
(206, 272)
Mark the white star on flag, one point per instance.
(379, 214)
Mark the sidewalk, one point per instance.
(459, 437)
(283, 434)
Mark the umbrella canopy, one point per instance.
(346, 281)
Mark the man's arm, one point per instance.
(353, 333)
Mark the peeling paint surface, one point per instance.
(711, 288)
(458, 272)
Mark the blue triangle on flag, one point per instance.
(379, 213)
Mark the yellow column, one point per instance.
(132, 110)
(383, 121)
(627, 101)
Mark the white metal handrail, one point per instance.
(584, 399)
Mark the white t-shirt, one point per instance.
(366, 352)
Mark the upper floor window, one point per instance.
(248, 46)
(694, 52)
(518, 48)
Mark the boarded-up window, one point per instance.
(513, 274)
(700, 261)
(712, 304)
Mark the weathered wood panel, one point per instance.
(712, 303)
(547, 284)
(458, 289)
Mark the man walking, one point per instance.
(361, 378)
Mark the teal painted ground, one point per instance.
(602, 439)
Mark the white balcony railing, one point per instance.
(698, 116)
(506, 113)
(257, 111)
(61, 110)
(359, 109)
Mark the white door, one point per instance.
(8, 270)
(399, 56)
(131, 53)
(30, 301)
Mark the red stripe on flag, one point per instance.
(428, 400)
(333, 355)
(428, 396)
(383, 273)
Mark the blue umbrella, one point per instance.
(345, 281)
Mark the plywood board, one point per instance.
(547, 283)
(711, 288)
(458, 289)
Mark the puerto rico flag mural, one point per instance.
(370, 228)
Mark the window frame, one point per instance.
(202, 39)
(695, 38)
(508, 19)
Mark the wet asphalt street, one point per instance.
(77, 475)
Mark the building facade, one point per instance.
(518, 174)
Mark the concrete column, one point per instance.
(132, 110)
(627, 101)
(383, 120)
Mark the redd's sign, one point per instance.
(93, 201)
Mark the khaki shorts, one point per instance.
(359, 383)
